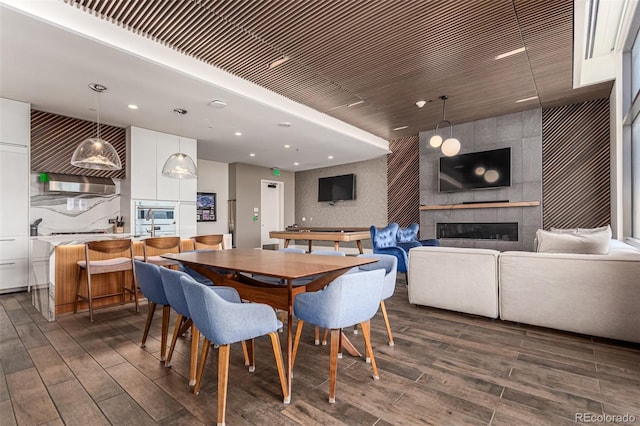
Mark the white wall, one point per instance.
(214, 177)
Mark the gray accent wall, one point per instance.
(244, 188)
(523, 133)
(369, 207)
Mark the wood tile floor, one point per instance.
(445, 369)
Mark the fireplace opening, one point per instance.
(504, 231)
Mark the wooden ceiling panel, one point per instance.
(389, 53)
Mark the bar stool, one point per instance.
(152, 248)
(113, 256)
(210, 242)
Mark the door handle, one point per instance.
(7, 264)
(7, 239)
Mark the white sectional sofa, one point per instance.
(458, 279)
(592, 294)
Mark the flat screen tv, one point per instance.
(337, 188)
(475, 170)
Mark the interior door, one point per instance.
(271, 210)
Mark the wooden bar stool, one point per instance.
(152, 248)
(113, 256)
(207, 242)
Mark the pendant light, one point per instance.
(451, 146)
(180, 165)
(96, 153)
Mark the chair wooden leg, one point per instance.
(166, 314)
(89, 297)
(386, 322)
(152, 309)
(134, 283)
(75, 303)
(277, 352)
(325, 336)
(176, 329)
(251, 353)
(366, 332)
(296, 341)
(333, 363)
(203, 358)
(223, 380)
(186, 325)
(316, 336)
(195, 341)
(245, 353)
(123, 297)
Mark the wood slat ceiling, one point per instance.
(387, 53)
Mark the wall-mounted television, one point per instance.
(337, 188)
(475, 170)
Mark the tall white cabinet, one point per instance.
(147, 151)
(15, 129)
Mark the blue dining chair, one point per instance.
(348, 300)
(390, 265)
(150, 284)
(175, 296)
(223, 322)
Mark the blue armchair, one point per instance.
(407, 237)
(385, 241)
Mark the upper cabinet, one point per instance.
(147, 152)
(15, 122)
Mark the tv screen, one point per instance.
(476, 170)
(337, 188)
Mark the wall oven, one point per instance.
(155, 218)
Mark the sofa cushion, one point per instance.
(582, 230)
(596, 242)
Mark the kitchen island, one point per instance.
(54, 272)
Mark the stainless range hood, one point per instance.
(80, 184)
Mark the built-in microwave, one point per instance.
(155, 218)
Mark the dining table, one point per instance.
(235, 267)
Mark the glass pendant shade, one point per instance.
(451, 147)
(435, 141)
(97, 154)
(180, 166)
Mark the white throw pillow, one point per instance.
(585, 243)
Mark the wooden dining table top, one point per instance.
(271, 262)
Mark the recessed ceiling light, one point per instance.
(330, 157)
(355, 103)
(420, 104)
(252, 155)
(132, 106)
(513, 52)
(211, 126)
(284, 124)
(526, 99)
(217, 103)
(400, 128)
(277, 62)
(296, 164)
(238, 133)
(287, 146)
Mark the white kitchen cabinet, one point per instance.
(148, 151)
(141, 164)
(167, 188)
(15, 128)
(15, 122)
(14, 187)
(188, 187)
(187, 220)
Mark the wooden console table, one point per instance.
(482, 205)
